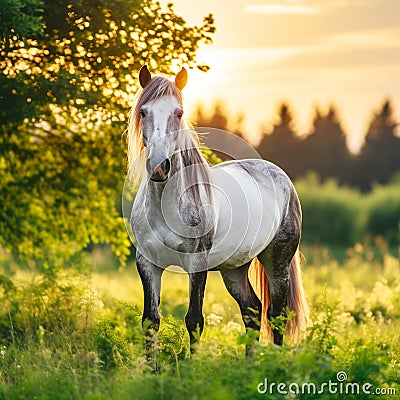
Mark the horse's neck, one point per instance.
(179, 186)
(152, 192)
(182, 199)
(171, 187)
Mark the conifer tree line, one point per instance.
(323, 150)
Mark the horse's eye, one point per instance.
(180, 114)
(144, 139)
(142, 113)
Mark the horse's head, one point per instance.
(160, 112)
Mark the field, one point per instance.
(70, 296)
(78, 336)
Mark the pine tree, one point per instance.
(380, 155)
(325, 151)
(280, 146)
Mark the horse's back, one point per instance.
(250, 199)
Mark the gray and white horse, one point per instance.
(223, 218)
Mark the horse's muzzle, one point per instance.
(160, 172)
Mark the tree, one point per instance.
(219, 118)
(281, 145)
(324, 150)
(66, 87)
(21, 18)
(88, 52)
(380, 155)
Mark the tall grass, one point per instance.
(81, 338)
(78, 335)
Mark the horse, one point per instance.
(240, 217)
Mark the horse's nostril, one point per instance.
(148, 166)
(160, 172)
(166, 166)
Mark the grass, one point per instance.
(80, 336)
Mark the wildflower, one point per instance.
(214, 319)
(90, 305)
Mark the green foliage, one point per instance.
(112, 347)
(280, 322)
(21, 18)
(383, 218)
(89, 53)
(65, 97)
(330, 212)
(322, 333)
(210, 156)
(59, 193)
(94, 349)
(172, 339)
(339, 216)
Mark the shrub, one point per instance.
(383, 215)
(112, 347)
(339, 216)
(331, 214)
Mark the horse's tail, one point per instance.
(259, 282)
(297, 301)
(296, 298)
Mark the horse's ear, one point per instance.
(144, 76)
(181, 78)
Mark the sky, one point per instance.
(306, 52)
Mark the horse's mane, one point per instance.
(157, 87)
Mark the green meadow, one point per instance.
(78, 335)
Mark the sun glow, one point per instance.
(306, 52)
(276, 9)
(200, 88)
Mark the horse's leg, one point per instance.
(238, 285)
(194, 317)
(150, 275)
(276, 259)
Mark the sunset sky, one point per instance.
(307, 52)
